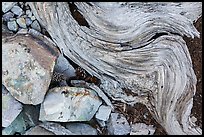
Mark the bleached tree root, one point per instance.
(133, 46)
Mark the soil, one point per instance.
(195, 49)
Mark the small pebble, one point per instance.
(21, 22)
(6, 6)
(17, 10)
(12, 25)
(23, 31)
(28, 21)
(28, 13)
(12, 19)
(32, 18)
(7, 16)
(35, 25)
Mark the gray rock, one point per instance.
(103, 113)
(28, 21)
(21, 4)
(64, 67)
(31, 115)
(18, 125)
(63, 104)
(29, 13)
(12, 25)
(12, 19)
(81, 129)
(142, 129)
(56, 128)
(35, 25)
(37, 130)
(6, 6)
(5, 29)
(11, 108)
(21, 22)
(26, 119)
(7, 16)
(23, 31)
(118, 125)
(32, 18)
(17, 10)
(32, 65)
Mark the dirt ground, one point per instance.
(195, 49)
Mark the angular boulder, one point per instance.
(63, 104)
(118, 125)
(27, 66)
(11, 108)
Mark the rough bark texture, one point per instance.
(135, 46)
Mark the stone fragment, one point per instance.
(17, 10)
(28, 118)
(21, 22)
(118, 125)
(142, 129)
(21, 4)
(11, 108)
(32, 64)
(37, 130)
(81, 129)
(17, 126)
(103, 113)
(33, 18)
(63, 104)
(7, 16)
(5, 29)
(23, 31)
(6, 6)
(12, 25)
(35, 25)
(28, 21)
(56, 128)
(64, 67)
(29, 13)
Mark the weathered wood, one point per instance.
(137, 46)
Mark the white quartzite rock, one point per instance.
(103, 112)
(102, 115)
(12, 25)
(27, 66)
(10, 108)
(6, 6)
(63, 104)
(17, 10)
(118, 125)
(81, 129)
(142, 129)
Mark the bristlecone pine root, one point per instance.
(132, 45)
